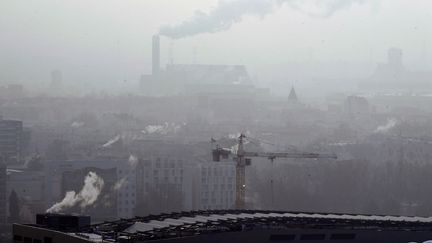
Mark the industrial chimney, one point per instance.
(155, 56)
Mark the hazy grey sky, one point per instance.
(109, 40)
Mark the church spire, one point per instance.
(292, 98)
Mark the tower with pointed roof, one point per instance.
(292, 97)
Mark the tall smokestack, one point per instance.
(156, 55)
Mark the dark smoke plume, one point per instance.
(227, 13)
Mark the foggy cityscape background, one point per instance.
(112, 108)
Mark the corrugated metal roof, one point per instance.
(197, 222)
(203, 218)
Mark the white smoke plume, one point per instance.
(234, 135)
(227, 13)
(391, 123)
(77, 124)
(93, 185)
(162, 129)
(321, 8)
(120, 183)
(132, 163)
(111, 142)
(153, 129)
(234, 149)
(237, 135)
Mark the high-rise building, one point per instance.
(11, 140)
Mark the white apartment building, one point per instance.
(216, 188)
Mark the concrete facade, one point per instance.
(10, 140)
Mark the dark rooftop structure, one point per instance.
(245, 226)
(63, 222)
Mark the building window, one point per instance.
(17, 238)
(312, 237)
(282, 237)
(342, 237)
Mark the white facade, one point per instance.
(126, 192)
(216, 185)
(167, 173)
(207, 185)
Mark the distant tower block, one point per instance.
(156, 55)
(56, 79)
(394, 57)
(292, 98)
(171, 53)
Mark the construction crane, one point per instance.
(243, 159)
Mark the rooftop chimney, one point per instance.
(155, 56)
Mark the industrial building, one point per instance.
(194, 78)
(229, 226)
(394, 76)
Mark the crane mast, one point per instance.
(240, 175)
(242, 160)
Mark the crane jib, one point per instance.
(289, 155)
